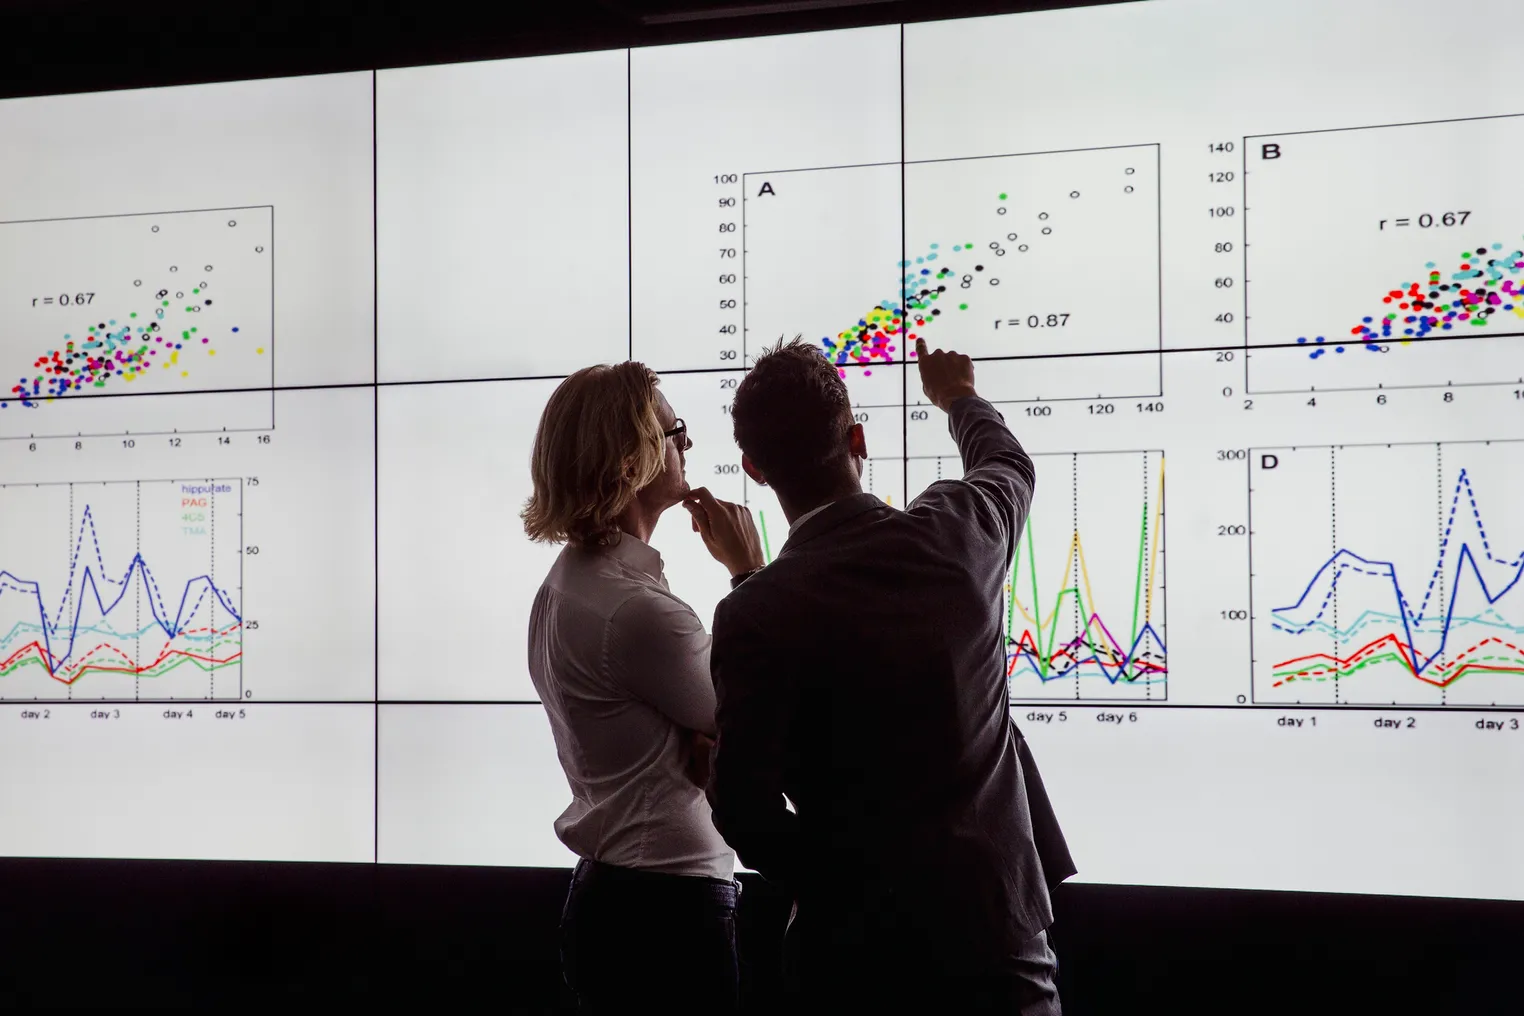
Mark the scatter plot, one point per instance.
(1000, 257)
(1364, 246)
(146, 304)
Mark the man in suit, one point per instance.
(866, 758)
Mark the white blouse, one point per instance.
(622, 666)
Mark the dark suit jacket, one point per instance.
(862, 674)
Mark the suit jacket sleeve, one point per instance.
(756, 704)
(998, 474)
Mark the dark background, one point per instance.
(172, 933)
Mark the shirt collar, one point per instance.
(793, 526)
(638, 554)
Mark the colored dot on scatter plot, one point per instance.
(235, 329)
(1002, 197)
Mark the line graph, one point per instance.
(1418, 605)
(1085, 611)
(142, 603)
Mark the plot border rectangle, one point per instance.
(1249, 348)
(271, 387)
(1253, 700)
(1158, 349)
(239, 481)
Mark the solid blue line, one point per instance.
(1127, 660)
(1465, 555)
(87, 578)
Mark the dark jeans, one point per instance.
(640, 941)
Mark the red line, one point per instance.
(1455, 669)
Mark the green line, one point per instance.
(1089, 638)
(1032, 556)
(767, 553)
(1397, 658)
(33, 661)
(1137, 585)
(1079, 604)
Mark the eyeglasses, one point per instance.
(680, 431)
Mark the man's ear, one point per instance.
(752, 471)
(857, 441)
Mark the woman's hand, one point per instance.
(727, 529)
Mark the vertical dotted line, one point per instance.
(1074, 562)
(1141, 648)
(1333, 536)
(137, 594)
(1439, 526)
(70, 558)
(211, 656)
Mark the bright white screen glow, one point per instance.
(1255, 309)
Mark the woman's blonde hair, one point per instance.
(599, 442)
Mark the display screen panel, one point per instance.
(274, 353)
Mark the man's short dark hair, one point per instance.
(791, 417)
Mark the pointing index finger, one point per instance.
(920, 346)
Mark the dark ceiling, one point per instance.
(86, 45)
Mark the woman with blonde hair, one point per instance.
(622, 665)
